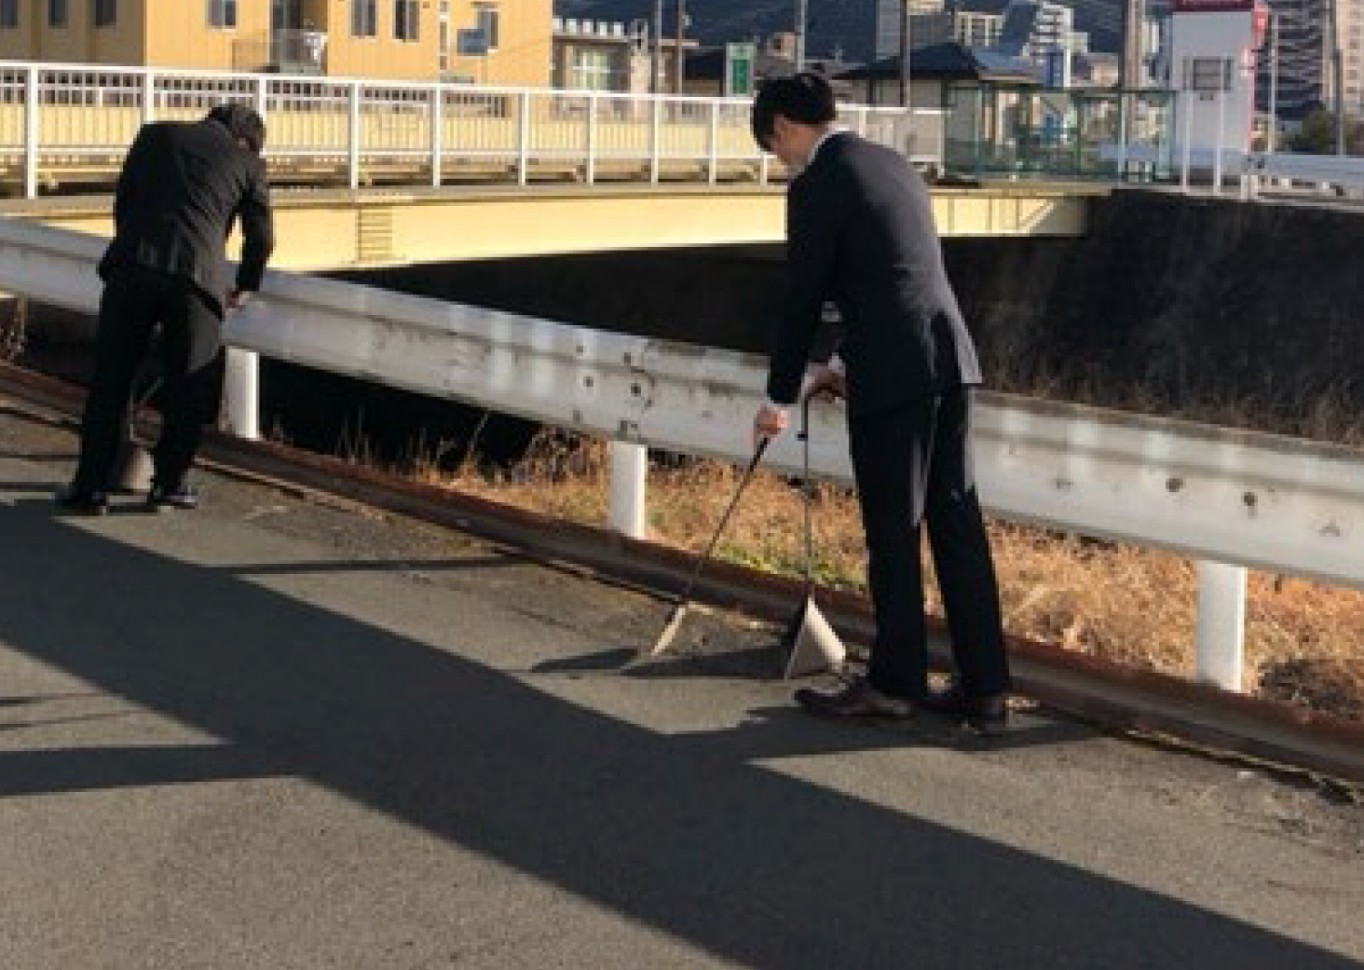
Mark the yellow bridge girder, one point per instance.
(335, 229)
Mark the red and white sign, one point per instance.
(1260, 23)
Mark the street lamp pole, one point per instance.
(802, 18)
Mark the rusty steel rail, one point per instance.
(1272, 734)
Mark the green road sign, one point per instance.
(739, 60)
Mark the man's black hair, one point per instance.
(242, 122)
(805, 98)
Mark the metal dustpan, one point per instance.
(815, 647)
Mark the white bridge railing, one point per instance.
(1230, 499)
(1254, 171)
(70, 122)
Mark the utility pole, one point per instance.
(904, 53)
(656, 82)
(1272, 136)
(802, 18)
(1130, 65)
(1337, 74)
(681, 34)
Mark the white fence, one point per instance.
(1231, 499)
(68, 122)
(1332, 175)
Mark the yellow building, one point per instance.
(483, 41)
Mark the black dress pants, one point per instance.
(913, 465)
(134, 303)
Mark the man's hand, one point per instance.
(770, 421)
(236, 299)
(825, 381)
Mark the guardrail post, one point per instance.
(148, 97)
(1221, 625)
(655, 139)
(261, 95)
(629, 473)
(31, 132)
(592, 124)
(354, 133)
(523, 140)
(764, 168)
(713, 144)
(437, 133)
(241, 394)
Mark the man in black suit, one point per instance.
(181, 188)
(860, 232)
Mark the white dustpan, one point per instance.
(133, 467)
(815, 647)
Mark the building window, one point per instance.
(105, 12)
(9, 14)
(405, 19)
(591, 70)
(488, 23)
(58, 14)
(222, 14)
(364, 18)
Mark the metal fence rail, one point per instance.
(1231, 499)
(70, 123)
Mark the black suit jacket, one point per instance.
(181, 187)
(860, 232)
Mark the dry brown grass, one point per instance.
(1304, 641)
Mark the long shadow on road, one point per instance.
(684, 834)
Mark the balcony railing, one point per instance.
(298, 51)
(282, 52)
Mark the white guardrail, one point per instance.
(1254, 171)
(1220, 496)
(72, 121)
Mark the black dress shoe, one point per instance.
(181, 497)
(81, 501)
(857, 699)
(986, 713)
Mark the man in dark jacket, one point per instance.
(860, 232)
(181, 188)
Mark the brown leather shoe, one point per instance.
(986, 713)
(857, 699)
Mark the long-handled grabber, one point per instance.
(679, 611)
(814, 644)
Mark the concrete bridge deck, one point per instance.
(281, 734)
